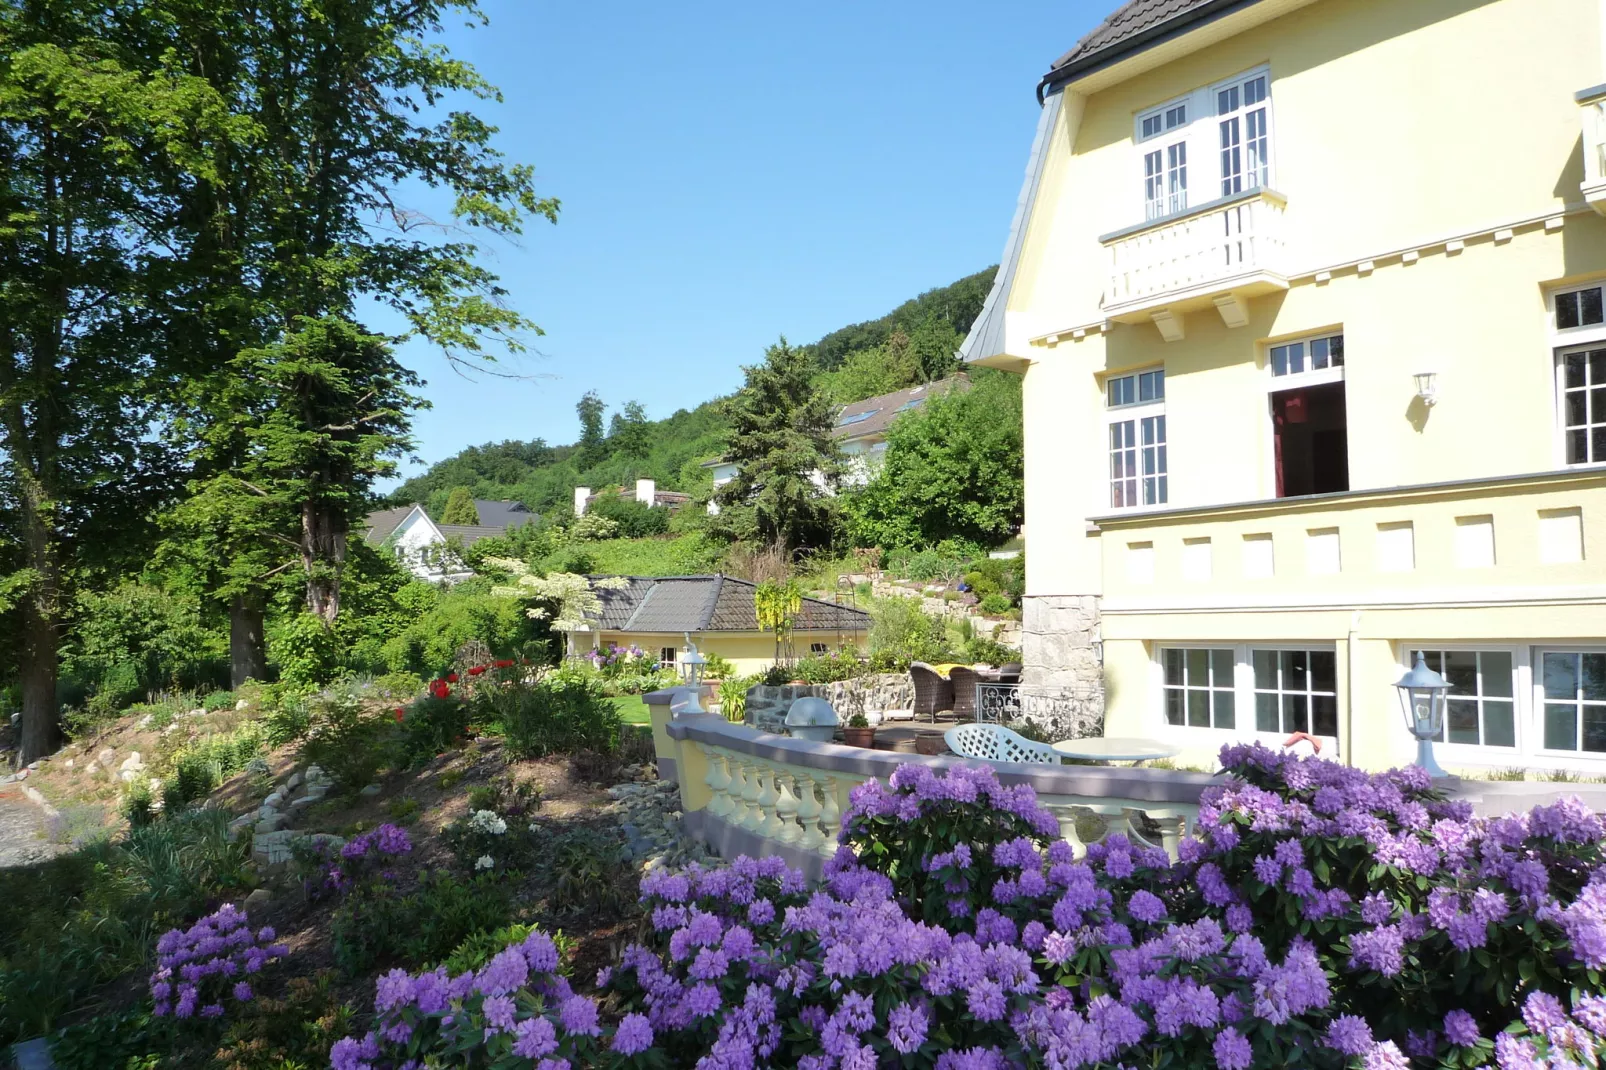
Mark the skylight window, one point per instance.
(857, 418)
(915, 404)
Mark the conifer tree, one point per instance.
(788, 463)
(460, 508)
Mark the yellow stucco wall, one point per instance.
(749, 652)
(1396, 128)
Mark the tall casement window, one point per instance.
(1163, 133)
(1579, 334)
(1217, 137)
(1481, 709)
(1199, 688)
(1296, 691)
(1573, 686)
(1136, 407)
(1310, 426)
(1243, 112)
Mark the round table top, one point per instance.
(1116, 749)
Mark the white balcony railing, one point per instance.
(1234, 245)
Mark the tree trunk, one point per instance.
(41, 719)
(323, 552)
(247, 655)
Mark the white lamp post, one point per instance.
(1423, 697)
(694, 662)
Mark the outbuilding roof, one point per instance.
(714, 603)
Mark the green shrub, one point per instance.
(943, 563)
(829, 668)
(717, 668)
(982, 650)
(288, 1033)
(378, 925)
(124, 1040)
(218, 700)
(404, 811)
(635, 519)
(563, 711)
(995, 605)
(901, 632)
(588, 871)
(306, 650)
(733, 697)
(203, 764)
(431, 726)
(348, 737)
(776, 675)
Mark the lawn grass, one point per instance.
(632, 710)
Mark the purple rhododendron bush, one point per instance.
(1325, 917)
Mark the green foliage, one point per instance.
(124, 1040)
(218, 700)
(306, 649)
(404, 811)
(985, 650)
(953, 469)
(82, 919)
(379, 925)
(901, 633)
(677, 556)
(136, 638)
(350, 738)
(1005, 577)
(564, 711)
(781, 441)
(717, 667)
(957, 304)
(995, 605)
(460, 508)
(447, 619)
(829, 668)
(635, 519)
(588, 873)
(481, 947)
(294, 1032)
(203, 764)
(432, 725)
(944, 562)
(496, 831)
(733, 697)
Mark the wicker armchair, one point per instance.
(964, 683)
(932, 693)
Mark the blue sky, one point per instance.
(730, 173)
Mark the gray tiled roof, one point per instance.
(714, 603)
(502, 514)
(470, 533)
(383, 522)
(1126, 22)
(885, 409)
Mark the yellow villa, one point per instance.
(1307, 296)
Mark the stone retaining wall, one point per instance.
(869, 695)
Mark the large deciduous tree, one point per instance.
(788, 463)
(93, 126)
(952, 470)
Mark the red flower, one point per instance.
(440, 688)
(451, 678)
(398, 715)
(476, 670)
(505, 663)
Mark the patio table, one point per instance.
(1116, 749)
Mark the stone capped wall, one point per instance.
(869, 695)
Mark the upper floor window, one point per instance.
(1581, 385)
(1242, 113)
(1223, 128)
(1578, 308)
(1137, 439)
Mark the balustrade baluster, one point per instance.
(738, 790)
(808, 813)
(752, 816)
(786, 807)
(769, 825)
(718, 781)
(830, 817)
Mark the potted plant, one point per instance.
(859, 732)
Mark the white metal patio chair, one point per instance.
(995, 743)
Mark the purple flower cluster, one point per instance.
(199, 967)
(502, 1010)
(387, 840)
(1549, 1035)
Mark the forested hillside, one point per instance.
(914, 342)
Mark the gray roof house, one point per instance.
(414, 536)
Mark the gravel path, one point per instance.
(23, 829)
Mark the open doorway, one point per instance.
(1312, 440)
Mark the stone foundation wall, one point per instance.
(869, 695)
(1062, 650)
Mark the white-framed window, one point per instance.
(1243, 118)
(1137, 443)
(1295, 690)
(818, 650)
(1315, 359)
(1253, 690)
(1163, 134)
(1481, 707)
(1221, 133)
(1578, 308)
(1570, 685)
(1581, 391)
(1200, 686)
(667, 656)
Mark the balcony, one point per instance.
(1218, 254)
(1533, 541)
(1592, 110)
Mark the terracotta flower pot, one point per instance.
(859, 737)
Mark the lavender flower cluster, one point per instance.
(516, 1010)
(362, 856)
(200, 967)
(1325, 917)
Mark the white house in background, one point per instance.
(647, 493)
(421, 543)
(860, 432)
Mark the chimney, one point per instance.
(580, 496)
(646, 492)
